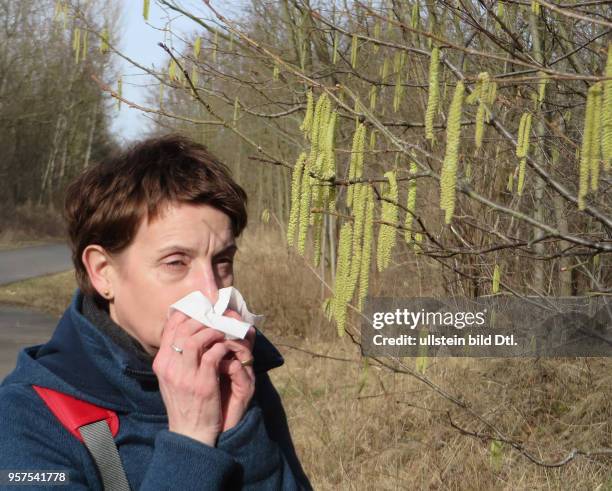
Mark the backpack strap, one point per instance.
(96, 427)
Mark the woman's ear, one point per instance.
(100, 269)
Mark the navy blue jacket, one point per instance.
(81, 360)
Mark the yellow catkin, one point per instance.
(145, 9)
(415, 15)
(491, 100)
(318, 155)
(276, 72)
(387, 232)
(76, 44)
(342, 272)
(65, 14)
(418, 240)
(236, 111)
(496, 279)
(398, 92)
(522, 149)
(542, 86)
(335, 48)
(448, 177)
(319, 117)
(587, 146)
(328, 170)
(294, 214)
(510, 184)
(104, 41)
(521, 176)
(305, 200)
(172, 70)
(535, 7)
(596, 138)
(373, 94)
(317, 236)
(372, 140)
(58, 10)
(327, 307)
(384, 71)
(397, 60)
(356, 160)
(361, 195)
(197, 46)
(434, 93)
(479, 130)
(377, 27)
(521, 135)
(307, 122)
(410, 204)
(366, 253)
(481, 113)
(606, 114)
(526, 135)
(480, 91)
(84, 48)
(354, 47)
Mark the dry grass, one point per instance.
(51, 293)
(29, 224)
(368, 428)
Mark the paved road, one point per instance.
(20, 326)
(29, 262)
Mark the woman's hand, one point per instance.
(237, 381)
(190, 381)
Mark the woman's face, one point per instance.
(188, 247)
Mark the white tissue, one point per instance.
(200, 308)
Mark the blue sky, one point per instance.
(139, 41)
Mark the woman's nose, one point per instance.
(207, 283)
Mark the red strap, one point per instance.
(74, 413)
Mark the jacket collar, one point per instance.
(81, 359)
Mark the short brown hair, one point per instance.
(106, 204)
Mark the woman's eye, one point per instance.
(175, 264)
(225, 263)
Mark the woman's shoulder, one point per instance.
(21, 408)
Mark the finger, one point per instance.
(210, 360)
(187, 329)
(164, 353)
(241, 352)
(197, 344)
(240, 348)
(237, 373)
(169, 329)
(250, 335)
(232, 313)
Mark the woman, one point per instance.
(195, 411)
